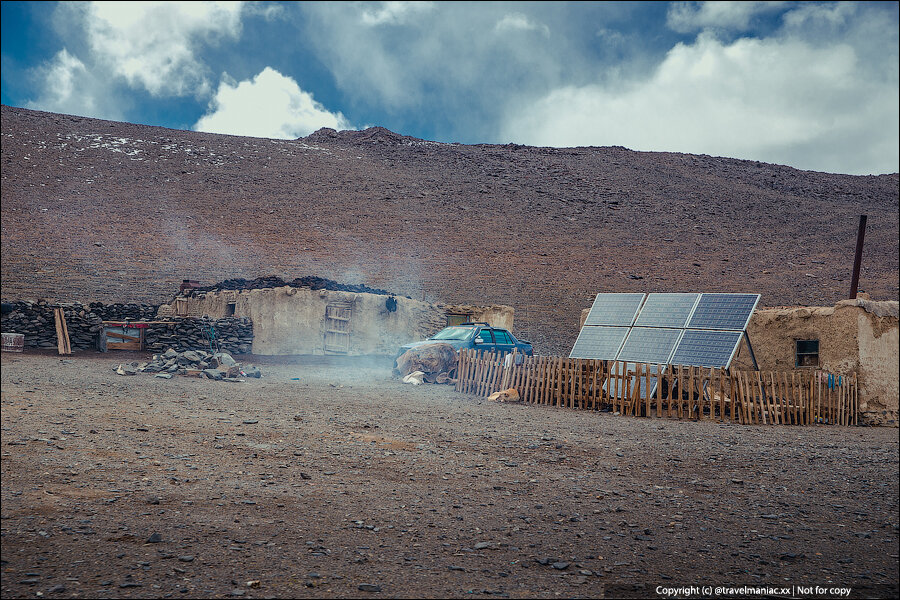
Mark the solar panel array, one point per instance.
(702, 330)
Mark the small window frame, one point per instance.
(806, 354)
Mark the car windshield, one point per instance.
(453, 333)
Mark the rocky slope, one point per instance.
(99, 210)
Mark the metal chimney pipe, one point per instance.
(857, 262)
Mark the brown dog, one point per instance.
(510, 395)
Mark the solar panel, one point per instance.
(704, 348)
(601, 343)
(723, 311)
(614, 309)
(652, 345)
(666, 310)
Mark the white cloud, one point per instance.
(67, 86)
(687, 17)
(271, 105)
(153, 44)
(775, 100)
(393, 13)
(520, 22)
(452, 64)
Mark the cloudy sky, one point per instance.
(812, 85)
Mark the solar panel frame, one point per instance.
(586, 346)
(667, 310)
(695, 348)
(723, 311)
(615, 309)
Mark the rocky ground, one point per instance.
(329, 478)
(119, 212)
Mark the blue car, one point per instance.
(480, 336)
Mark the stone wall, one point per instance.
(233, 335)
(36, 321)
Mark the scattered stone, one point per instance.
(214, 374)
(186, 558)
(561, 565)
(369, 587)
(124, 369)
(154, 538)
(164, 375)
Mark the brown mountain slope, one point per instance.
(98, 210)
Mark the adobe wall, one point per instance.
(497, 315)
(289, 320)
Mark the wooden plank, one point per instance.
(670, 381)
(123, 345)
(63, 344)
(122, 336)
(732, 396)
(648, 400)
(762, 403)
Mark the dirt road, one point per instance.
(344, 482)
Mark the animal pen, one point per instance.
(808, 397)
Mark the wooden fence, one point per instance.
(753, 397)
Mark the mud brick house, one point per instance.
(290, 318)
(854, 336)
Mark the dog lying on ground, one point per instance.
(509, 395)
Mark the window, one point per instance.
(485, 334)
(457, 319)
(807, 354)
(453, 333)
(229, 309)
(502, 337)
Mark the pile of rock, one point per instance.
(122, 311)
(232, 334)
(36, 322)
(220, 366)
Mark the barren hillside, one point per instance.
(99, 210)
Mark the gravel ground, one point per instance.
(347, 483)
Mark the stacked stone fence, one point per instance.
(36, 322)
(232, 334)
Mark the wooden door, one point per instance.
(337, 328)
